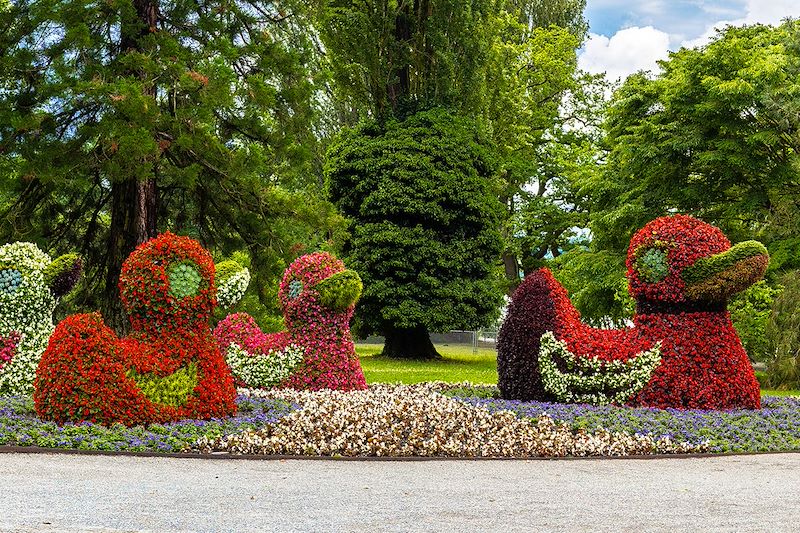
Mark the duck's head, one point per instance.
(677, 259)
(318, 281)
(168, 282)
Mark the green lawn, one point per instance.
(458, 363)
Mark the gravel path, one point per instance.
(96, 493)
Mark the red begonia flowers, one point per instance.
(318, 296)
(168, 368)
(681, 271)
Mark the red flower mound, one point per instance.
(318, 297)
(681, 272)
(169, 367)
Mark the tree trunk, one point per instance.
(409, 343)
(133, 202)
(400, 84)
(510, 263)
(511, 268)
(133, 221)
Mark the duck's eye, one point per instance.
(295, 288)
(184, 280)
(652, 265)
(10, 279)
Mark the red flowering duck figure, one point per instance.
(318, 296)
(682, 350)
(168, 368)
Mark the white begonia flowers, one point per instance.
(263, 370)
(590, 380)
(232, 282)
(27, 300)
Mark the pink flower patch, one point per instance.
(8, 347)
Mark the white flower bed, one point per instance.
(404, 420)
(232, 289)
(27, 308)
(590, 380)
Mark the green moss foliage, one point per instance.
(339, 291)
(226, 269)
(708, 266)
(169, 390)
(62, 273)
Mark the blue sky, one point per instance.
(630, 35)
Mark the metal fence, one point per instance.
(482, 338)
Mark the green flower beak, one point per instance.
(340, 291)
(716, 278)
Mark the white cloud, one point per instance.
(626, 52)
(771, 11)
(758, 11)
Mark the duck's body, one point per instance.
(168, 368)
(704, 365)
(318, 297)
(681, 312)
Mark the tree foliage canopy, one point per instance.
(424, 232)
(715, 135)
(212, 103)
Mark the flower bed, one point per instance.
(417, 421)
(19, 426)
(774, 427)
(428, 419)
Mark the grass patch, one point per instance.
(458, 363)
(765, 392)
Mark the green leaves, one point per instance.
(63, 273)
(218, 106)
(424, 221)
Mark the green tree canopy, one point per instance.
(424, 232)
(122, 118)
(714, 134)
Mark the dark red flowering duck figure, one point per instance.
(318, 296)
(168, 368)
(682, 350)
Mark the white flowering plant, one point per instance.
(232, 281)
(263, 370)
(30, 285)
(592, 380)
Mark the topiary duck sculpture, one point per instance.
(30, 287)
(682, 350)
(168, 368)
(318, 296)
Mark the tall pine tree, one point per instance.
(122, 118)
